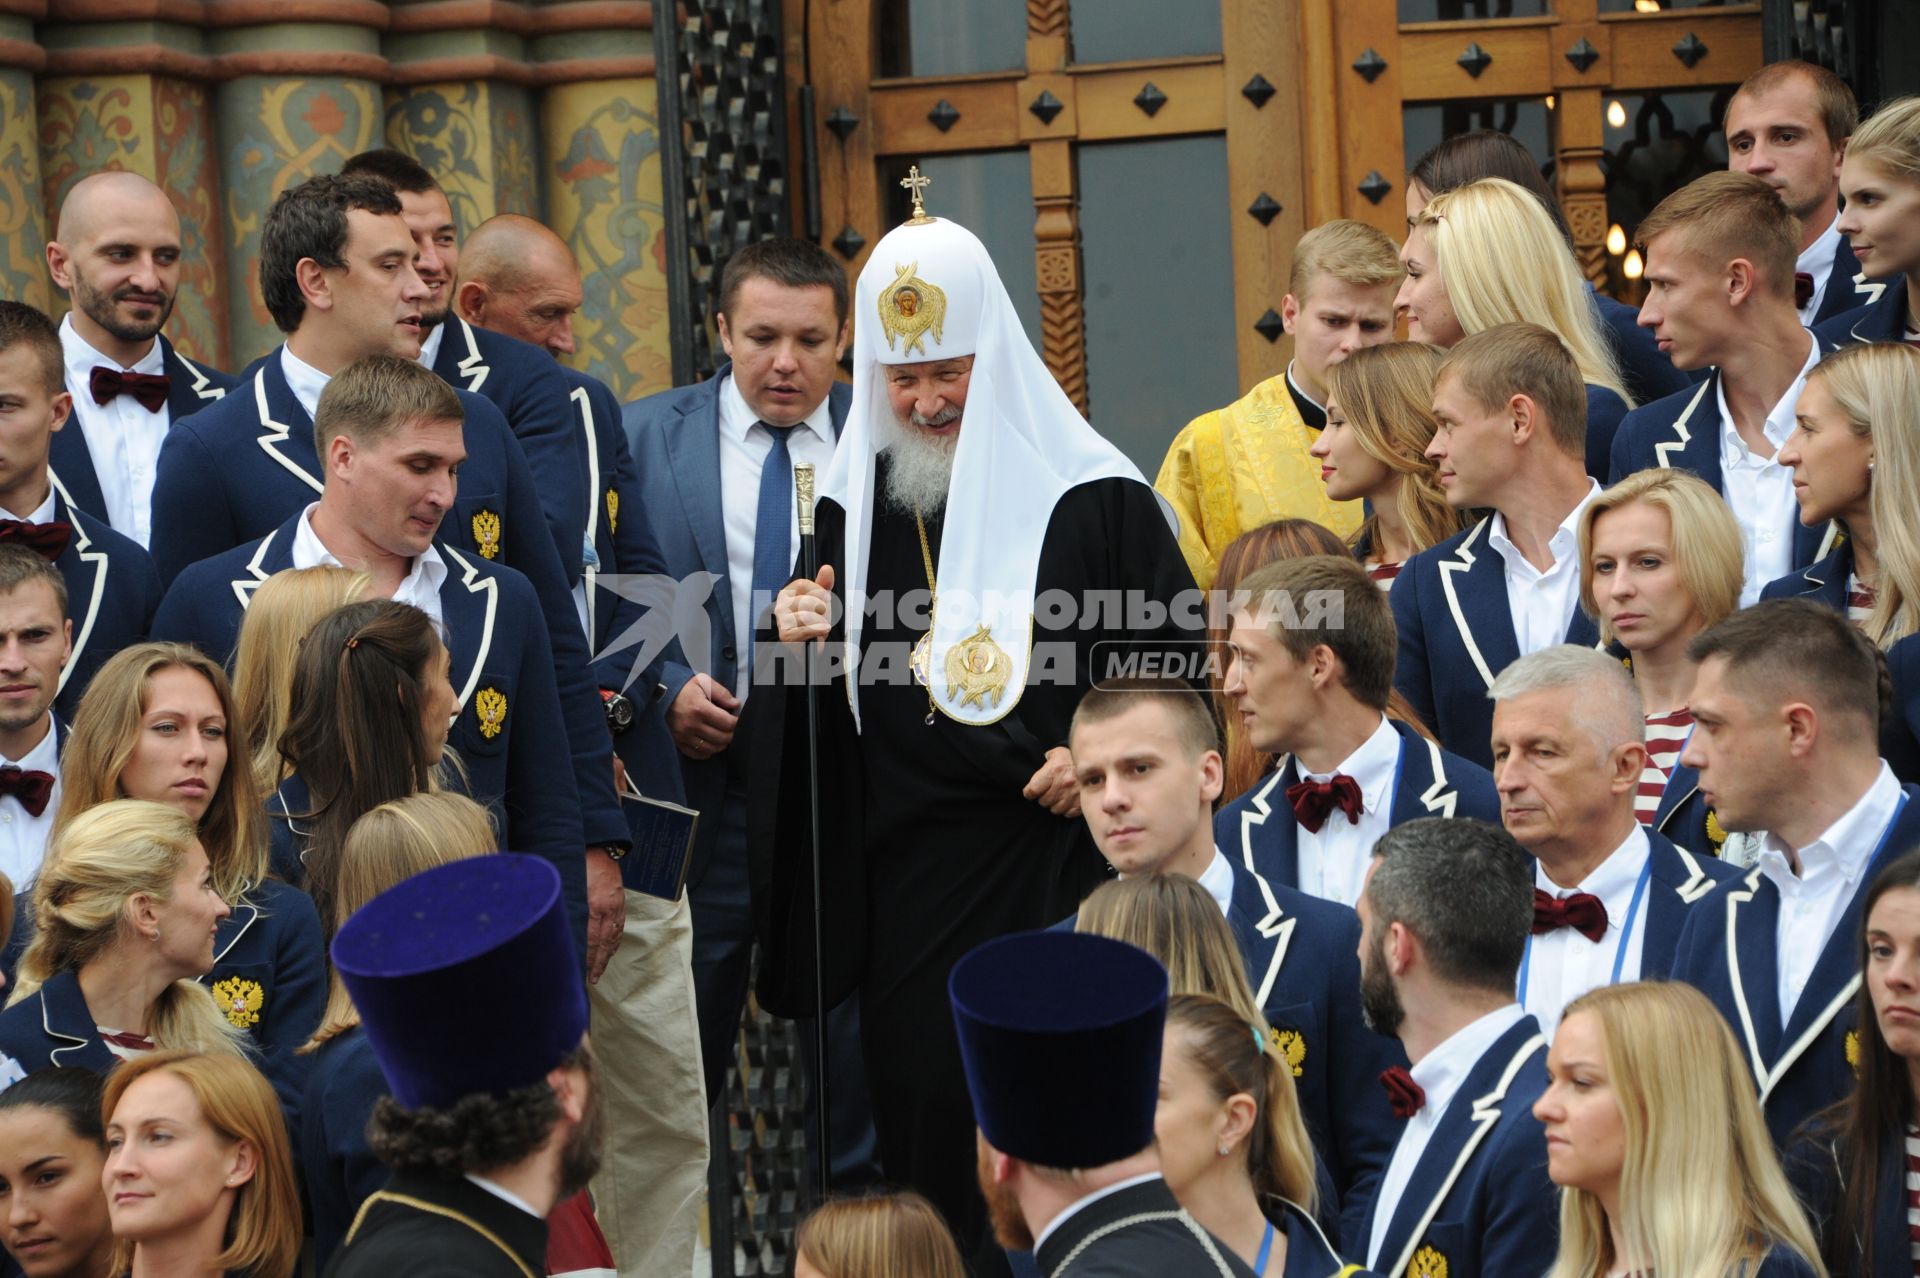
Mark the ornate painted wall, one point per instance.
(518, 106)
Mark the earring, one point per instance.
(1225, 1150)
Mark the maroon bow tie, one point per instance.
(33, 789)
(148, 389)
(1314, 801)
(1403, 1094)
(50, 540)
(1802, 289)
(1583, 912)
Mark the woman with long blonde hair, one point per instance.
(285, 607)
(1879, 213)
(1656, 1140)
(875, 1236)
(1855, 455)
(125, 912)
(1486, 254)
(394, 841)
(1379, 423)
(217, 1197)
(158, 722)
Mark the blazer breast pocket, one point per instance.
(242, 992)
(478, 523)
(1293, 1035)
(485, 723)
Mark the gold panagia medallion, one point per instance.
(921, 660)
(910, 308)
(977, 671)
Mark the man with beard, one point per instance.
(466, 984)
(1061, 1033)
(1446, 909)
(989, 547)
(116, 252)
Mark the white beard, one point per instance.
(919, 466)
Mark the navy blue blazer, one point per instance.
(1605, 411)
(1684, 817)
(270, 978)
(1883, 319)
(1479, 1201)
(337, 1167)
(1681, 881)
(1900, 730)
(1682, 432)
(674, 438)
(1429, 782)
(1649, 374)
(1456, 635)
(284, 832)
(112, 592)
(1728, 951)
(1849, 292)
(192, 386)
(511, 732)
(1824, 580)
(51, 1026)
(1310, 1253)
(1813, 1166)
(531, 392)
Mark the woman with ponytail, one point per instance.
(125, 910)
(1232, 1146)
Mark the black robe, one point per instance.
(397, 1240)
(1138, 1232)
(928, 846)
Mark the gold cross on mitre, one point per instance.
(916, 184)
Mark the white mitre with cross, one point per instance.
(930, 292)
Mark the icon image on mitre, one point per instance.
(910, 308)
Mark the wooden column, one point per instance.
(1579, 133)
(1264, 169)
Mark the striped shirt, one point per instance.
(1913, 1193)
(1383, 574)
(1859, 600)
(1666, 734)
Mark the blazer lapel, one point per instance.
(1681, 784)
(694, 447)
(583, 406)
(189, 389)
(1482, 618)
(232, 928)
(1268, 821)
(1423, 788)
(1753, 913)
(1693, 441)
(472, 603)
(65, 1018)
(1883, 320)
(280, 414)
(1256, 906)
(1679, 881)
(70, 463)
(460, 361)
(274, 553)
(88, 569)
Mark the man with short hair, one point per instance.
(1786, 707)
(35, 641)
(1238, 467)
(1720, 257)
(494, 1118)
(1061, 1036)
(1788, 124)
(1446, 912)
(529, 391)
(1147, 757)
(1512, 414)
(1610, 895)
(1310, 672)
(110, 589)
(116, 253)
(393, 439)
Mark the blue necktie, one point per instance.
(773, 522)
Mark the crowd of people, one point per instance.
(1453, 822)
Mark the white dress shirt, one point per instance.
(1439, 1074)
(1831, 870)
(430, 344)
(505, 1195)
(1089, 1200)
(1217, 879)
(1333, 863)
(123, 438)
(1760, 489)
(305, 381)
(1542, 603)
(1817, 260)
(23, 836)
(420, 587)
(1563, 964)
(744, 445)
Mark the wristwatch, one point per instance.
(619, 711)
(614, 851)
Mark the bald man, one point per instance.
(517, 278)
(116, 253)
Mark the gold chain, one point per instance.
(926, 553)
(933, 591)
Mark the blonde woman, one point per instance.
(1232, 1146)
(283, 610)
(1855, 455)
(391, 842)
(876, 1236)
(1379, 423)
(1880, 184)
(126, 910)
(199, 1177)
(1656, 1140)
(1486, 254)
(1661, 559)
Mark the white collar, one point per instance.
(1779, 422)
(43, 513)
(1849, 842)
(1371, 766)
(1217, 879)
(1089, 1200)
(1818, 257)
(430, 344)
(504, 1195)
(308, 551)
(1441, 1071)
(1613, 880)
(44, 757)
(82, 358)
(737, 417)
(304, 380)
(1300, 390)
(1565, 538)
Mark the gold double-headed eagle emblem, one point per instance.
(490, 708)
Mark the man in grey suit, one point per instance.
(716, 473)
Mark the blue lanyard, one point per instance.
(1266, 1250)
(1886, 836)
(1626, 931)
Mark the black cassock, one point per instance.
(929, 848)
(441, 1227)
(1138, 1232)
